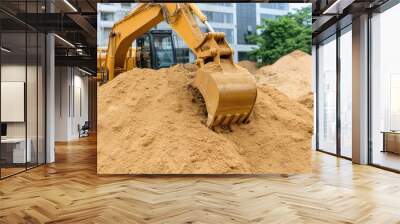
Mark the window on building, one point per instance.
(280, 6)
(126, 5)
(247, 21)
(107, 16)
(219, 17)
(106, 33)
(219, 4)
(243, 55)
(267, 16)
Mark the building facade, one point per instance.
(236, 20)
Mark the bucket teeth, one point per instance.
(229, 92)
(227, 120)
(235, 119)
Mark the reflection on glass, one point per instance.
(346, 93)
(164, 52)
(327, 96)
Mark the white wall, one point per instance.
(61, 103)
(71, 102)
(10, 73)
(33, 127)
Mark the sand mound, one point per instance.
(291, 74)
(251, 66)
(148, 123)
(307, 100)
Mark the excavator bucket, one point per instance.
(229, 92)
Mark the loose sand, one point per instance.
(307, 100)
(251, 66)
(291, 75)
(148, 123)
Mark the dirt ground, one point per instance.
(149, 123)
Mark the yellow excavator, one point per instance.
(229, 91)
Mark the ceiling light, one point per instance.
(64, 40)
(70, 5)
(84, 71)
(5, 50)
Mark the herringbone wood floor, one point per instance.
(69, 191)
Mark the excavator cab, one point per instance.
(155, 49)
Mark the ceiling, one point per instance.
(72, 20)
(330, 15)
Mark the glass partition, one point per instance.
(22, 101)
(14, 153)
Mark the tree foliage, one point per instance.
(280, 36)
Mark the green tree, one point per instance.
(281, 36)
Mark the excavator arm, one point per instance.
(229, 91)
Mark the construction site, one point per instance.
(213, 116)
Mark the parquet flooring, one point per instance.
(69, 191)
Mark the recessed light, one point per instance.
(64, 40)
(70, 5)
(86, 72)
(5, 50)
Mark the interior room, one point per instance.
(50, 73)
(32, 93)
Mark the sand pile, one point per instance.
(251, 66)
(291, 75)
(148, 123)
(307, 100)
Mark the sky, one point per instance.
(293, 6)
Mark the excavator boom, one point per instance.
(229, 91)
